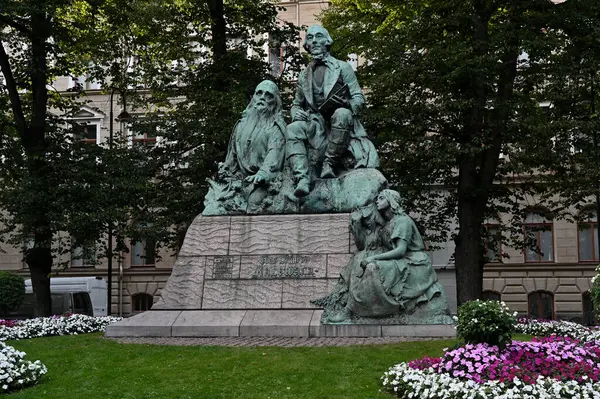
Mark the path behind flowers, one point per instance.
(283, 342)
(89, 366)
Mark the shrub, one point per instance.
(488, 322)
(12, 292)
(595, 289)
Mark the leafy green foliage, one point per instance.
(12, 292)
(455, 105)
(570, 129)
(595, 290)
(159, 61)
(485, 321)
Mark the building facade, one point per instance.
(551, 283)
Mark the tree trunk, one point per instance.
(469, 258)
(218, 29)
(39, 260)
(468, 254)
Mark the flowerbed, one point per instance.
(546, 367)
(8, 323)
(55, 325)
(15, 371)
(545, 328)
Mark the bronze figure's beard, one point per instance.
(258, 118)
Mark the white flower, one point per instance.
(48, 326)
(17, 372)
(412, 383)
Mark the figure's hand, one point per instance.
(223, 171)
(256, 179)
(342, 102)
(366, 261)
(363, 266)
(301, 115)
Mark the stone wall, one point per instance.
(261, 262)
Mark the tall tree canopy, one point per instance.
(455, 93)
(180, 67)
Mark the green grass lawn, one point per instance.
(89, 366)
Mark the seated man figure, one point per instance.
(255, 155)
(325, 113)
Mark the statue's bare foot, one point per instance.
(343, 316)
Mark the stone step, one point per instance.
(260, 323)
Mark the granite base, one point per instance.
(260, 323)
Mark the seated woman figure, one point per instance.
(392, 273)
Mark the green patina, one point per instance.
(391, 275)
(323, 162)
(306, 166)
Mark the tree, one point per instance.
(32, 35)
(212, 81)
(452, 86)
(571, 94)
(52, 185)
(195, 84)
(12, 292)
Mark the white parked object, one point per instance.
(94, 286)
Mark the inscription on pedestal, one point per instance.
(223, 267)
(285, 266)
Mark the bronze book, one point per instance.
(339, 90)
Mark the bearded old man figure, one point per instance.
(325, 120)
(254, 157)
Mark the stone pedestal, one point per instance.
(255, 276)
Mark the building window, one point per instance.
(489, 295)
(538, 238)
(587, 237)
(589, 316)
(276, 61)
(83, 82)
(141, 302)
(83, 256)
(275, 58)
(87, 133)
(143, 251)
(143, 134)
(493, 243)
(541, 305)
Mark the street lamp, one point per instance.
(123, 117)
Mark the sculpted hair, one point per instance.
(277, 109)
(319, 27)
(393, 198)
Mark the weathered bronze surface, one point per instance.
(391, 275)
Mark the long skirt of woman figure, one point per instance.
(389, 287)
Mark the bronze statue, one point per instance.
(391, 275)
(254, 157)
(325, 125)
(331, 163)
